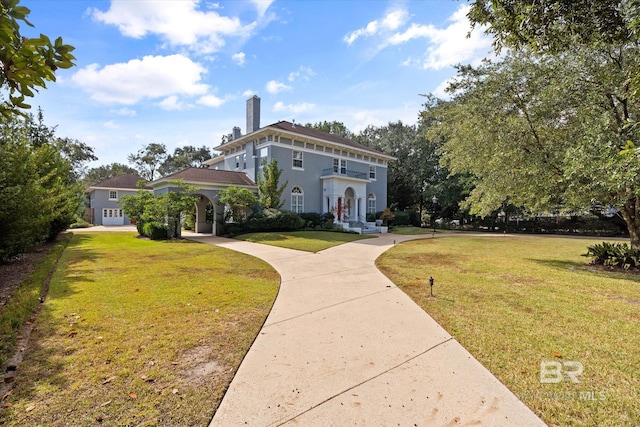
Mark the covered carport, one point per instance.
(209, 183)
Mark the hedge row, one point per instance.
(276, 220)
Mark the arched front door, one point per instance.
(350, 205)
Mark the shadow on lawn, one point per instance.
(76, 271)
(583, 267)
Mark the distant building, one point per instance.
(104, 207)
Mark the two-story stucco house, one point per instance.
(104, 208)
(324, 172)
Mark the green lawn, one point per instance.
(139, 332)
(410, 230)
(310, 241)
(515, 302)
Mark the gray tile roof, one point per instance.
(120, 181)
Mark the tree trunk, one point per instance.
(631, 214)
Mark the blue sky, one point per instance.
(178, 72)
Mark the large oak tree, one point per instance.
(545, 128)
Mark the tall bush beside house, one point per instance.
(134, 206)
(175, 203)
(269, 188)
(387, 216)
(159, 217)
(239, 201)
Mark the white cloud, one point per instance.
(178, 23)
(147, 78)
(440, 90)
(127, 112)
(410, 61)
(450, 45)
(359, 120)
(111, 125)
(172, 103)
(249, 92)
(274, 86)
(262, 6)
(211, 101)
(393, 20)
(293, 108)
(304, 73)
(239, 58)
(446, 46)
(413, 32)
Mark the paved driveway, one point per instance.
(344, 346)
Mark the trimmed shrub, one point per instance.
(154, 230)
(313, 220)
(402, 218)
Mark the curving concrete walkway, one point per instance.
(344, 346)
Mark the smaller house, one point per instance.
(104, 208)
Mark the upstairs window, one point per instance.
(372, 172)
(113, 195)
(340, 166)
(237, 162)
(297, 159)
